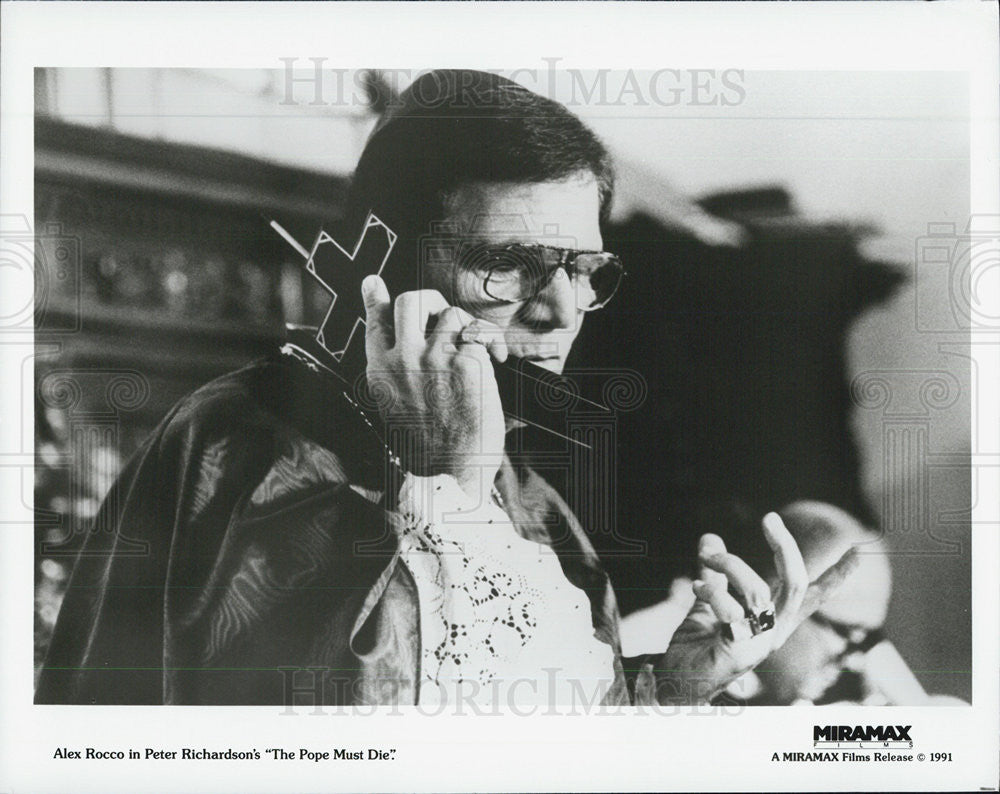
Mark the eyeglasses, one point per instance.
(518, 272)
(858, 638)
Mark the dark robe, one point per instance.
(249, 540)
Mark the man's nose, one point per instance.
(555, 306)
(836, 646)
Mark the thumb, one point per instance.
(827, 585)
(681, 592)
(378, 314)
(374, 292)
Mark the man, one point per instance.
(302, 542)
(815, 657)
(839, 654)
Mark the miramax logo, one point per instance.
(862, 733)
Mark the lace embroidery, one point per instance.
(494, 608)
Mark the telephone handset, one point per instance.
(530, 394)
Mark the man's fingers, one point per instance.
(443, 339)
(378, 314)
(743, 579)
(709, 545)
(449, 323)
(413, 312)
(484, 333)
(680, 590)
(827, 584)
(455, 327)
(788, 562)
(726, 608)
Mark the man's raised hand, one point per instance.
(703, 656)
(433, 360)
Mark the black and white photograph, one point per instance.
(516, 386)
(692, 371)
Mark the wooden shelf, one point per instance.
(96, 318)
(102, 156)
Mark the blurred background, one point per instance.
(797, 241)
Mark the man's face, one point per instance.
(564, 214)
(813, 657)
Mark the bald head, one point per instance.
(824, 534)
(812, 658)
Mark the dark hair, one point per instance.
(455, 127)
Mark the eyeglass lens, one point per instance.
(858, 638)
(518, 273)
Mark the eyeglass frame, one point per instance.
(567, 257)
(869, 637)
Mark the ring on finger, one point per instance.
(738, 630)
(751, 625)
(764, 620)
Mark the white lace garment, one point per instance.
(499, 622)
